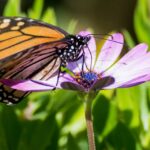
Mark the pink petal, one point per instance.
(72, 86)
(134, 53)
(109, 52)
(127, 63)
(33, 85)
(130, 72)
(102, 83)
(136, 81)
(25, 85)
(131, 66)
(68, 83)
(132, 57)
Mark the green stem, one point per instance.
(89, 121)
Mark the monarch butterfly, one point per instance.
(30, 49)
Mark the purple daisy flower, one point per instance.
(105, 71)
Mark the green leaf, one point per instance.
(38, 134)
(72, 25)
(36, 11)
(72, 143)
(128, 105)
(12, 8)
(121, 138)
(49, 16)
(144, 110)
(141, 21)
(11, 127)
(104, 112)
(129, 39)
(3, 140)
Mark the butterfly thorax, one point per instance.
(74, 49)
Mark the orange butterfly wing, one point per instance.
(19, 34)
(26, 51)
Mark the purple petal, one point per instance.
(129, 72)
(68, 83)
(130, 60)
(72, 86)
(34, 85)
(134, 53)
(26, 85)
(138, 52)
(109, 52)
(101, 83)
(136, 81)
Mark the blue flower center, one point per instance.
(89, 76)
(86, 79)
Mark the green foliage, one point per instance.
(142, 21)
(36, 10)
(55, 120)
(129, 39)
(12, 8)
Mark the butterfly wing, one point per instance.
(19, 34)
(27, 51)
(11, 96)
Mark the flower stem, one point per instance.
(89, 122)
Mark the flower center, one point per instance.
(86, 79)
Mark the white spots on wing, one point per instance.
(6, 101)
(18, 19)
(15, 28)
(10, 96)
(61, 56)
(15, 99)
(20, 23)
(5, 23)
(77, 43)
(72, 47)
(31, 20)
(7, 20)
(9, 103)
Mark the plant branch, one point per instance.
(89, 121)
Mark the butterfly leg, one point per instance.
(59, 71)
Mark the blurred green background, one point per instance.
(55, 120)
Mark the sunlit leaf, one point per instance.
(141, 21)
(49, 16)
(12, 8)
(36, 11)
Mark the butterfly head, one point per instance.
(83, 40)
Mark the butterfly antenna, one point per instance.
(100, 36)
